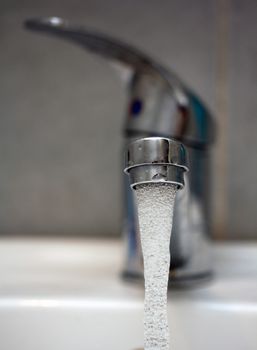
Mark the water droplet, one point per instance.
(159, 177)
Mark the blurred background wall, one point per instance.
(62, 110)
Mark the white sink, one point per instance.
(67, 295)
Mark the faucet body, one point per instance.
(159, 105)
(172, 110)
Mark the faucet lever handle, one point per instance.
(166, 106)
(103, 45)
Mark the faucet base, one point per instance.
(176, 282)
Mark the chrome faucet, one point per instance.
(159, 104)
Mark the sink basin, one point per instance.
(67, 294)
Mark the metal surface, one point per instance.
(156, 159)
(156, 150)
(159, 104)
(167, 107)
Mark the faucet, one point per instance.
(160, 105)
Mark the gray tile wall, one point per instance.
(61, 110)
(242, 135)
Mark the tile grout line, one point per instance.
(222, 112)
